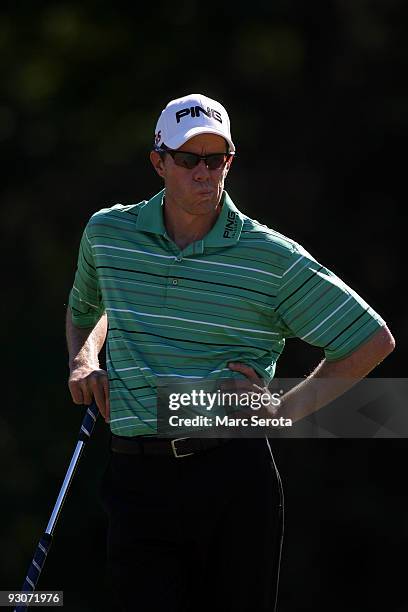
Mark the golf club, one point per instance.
(44, 544)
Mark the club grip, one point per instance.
(35, 568)
(88, 422)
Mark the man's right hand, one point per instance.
(87, 383)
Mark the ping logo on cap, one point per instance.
(195, 111)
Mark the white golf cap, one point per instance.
(186, 117)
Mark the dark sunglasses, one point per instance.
(213, 161)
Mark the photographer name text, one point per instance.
(227, 421)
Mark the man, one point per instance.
(192, 289)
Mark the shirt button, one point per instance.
(175, 281)
(179, 258)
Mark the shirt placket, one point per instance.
(175, 279)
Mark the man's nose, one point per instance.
(201, 171)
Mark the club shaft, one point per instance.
(65, 486)
(43, 547)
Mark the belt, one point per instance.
(178, 448)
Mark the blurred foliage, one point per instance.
(318, 101)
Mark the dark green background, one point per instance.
(318, 102)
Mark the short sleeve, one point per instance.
(85, 299)
(319, 308)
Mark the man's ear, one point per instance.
(157, 162)
(228, 165)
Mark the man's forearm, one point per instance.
(85, 344)
(331, 379)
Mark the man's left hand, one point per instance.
(253, 384)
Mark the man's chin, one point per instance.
(207, 198)
(206, 205)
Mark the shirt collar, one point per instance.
(225, 232)
(150, 217)
(228, 227)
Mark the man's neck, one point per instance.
(184, 228)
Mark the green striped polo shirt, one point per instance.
(235, 295)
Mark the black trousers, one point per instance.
(200, 533)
